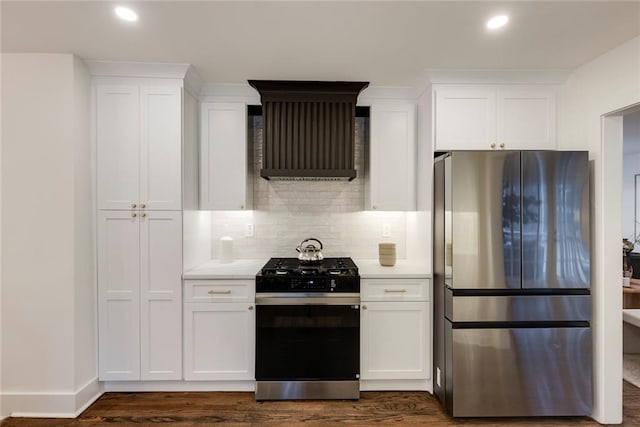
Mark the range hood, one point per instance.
(308, 128)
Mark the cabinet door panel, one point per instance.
(160, 287)
(219, 341)
(223, 156)
(117, 139)
(393, 156)
(160, 148)
(465, 118)
(118, 296)
(527, 118)
(395, 339)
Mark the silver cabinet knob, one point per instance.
(133, 205)
(250, 308)
(374, 207)
(493, 145)
(133, 214)
(142, 206)
(501, 145)
(364, 307)
(143, 214)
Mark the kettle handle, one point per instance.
(307, 240)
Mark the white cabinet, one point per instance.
(225, 182)
(139, 146)
(395, 333)
(395, 339)
(486, 117)
(392, 174)
(139, 295)
(219, 330)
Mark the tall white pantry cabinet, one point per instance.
(138, 136)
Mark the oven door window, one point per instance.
(307, 342)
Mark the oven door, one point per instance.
(308, 339)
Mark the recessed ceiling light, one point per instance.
(126, 14)
(497, 22)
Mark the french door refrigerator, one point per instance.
(512, 304)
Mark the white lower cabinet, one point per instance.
(395, 334)
(395, 338)
(139, 298)
(219, 337)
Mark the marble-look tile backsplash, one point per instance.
(286, 212)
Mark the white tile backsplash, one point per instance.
(286, 212)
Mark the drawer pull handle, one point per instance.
(226, 292)
(389, 291)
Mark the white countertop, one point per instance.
(371, 269)
(237, 269)
(248, 268)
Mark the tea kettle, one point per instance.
(310, 253)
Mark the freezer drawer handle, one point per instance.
(389, 291)
(212, 292)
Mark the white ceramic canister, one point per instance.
(226, 249)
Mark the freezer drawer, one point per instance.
(517, 308)
(518, 372)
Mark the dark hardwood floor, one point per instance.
(202, 408)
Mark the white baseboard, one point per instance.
(396, 385)
(132, 386)
(51, 404)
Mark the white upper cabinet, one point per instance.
(225, 183)
(392, 174)
(526, 117)
(117, 133)
(160, 147)
(494, 117)
(139, 143)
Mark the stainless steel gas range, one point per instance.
(308, 330)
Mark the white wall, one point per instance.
(608, 83)
(631, 167)
(85, 340)
(48, 338)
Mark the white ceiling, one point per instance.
(389, 43)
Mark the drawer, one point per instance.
(394, 290)
(219, 290)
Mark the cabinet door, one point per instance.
(527, 118)
(160, 289)
(117, 140)
(118, 296)
(393, 157)
(465, 117)
(395, 340)
(219, 342)
(223, 157)
(161, 148)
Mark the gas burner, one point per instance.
(334, 275)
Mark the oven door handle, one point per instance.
(315, 300)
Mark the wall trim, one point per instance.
(141, 386)
(242, 92)
(53, 404)
(138, 69)
(396, 385)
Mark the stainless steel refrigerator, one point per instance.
(512, 301)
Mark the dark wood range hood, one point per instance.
(308, 128)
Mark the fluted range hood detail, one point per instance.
(308, 128)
